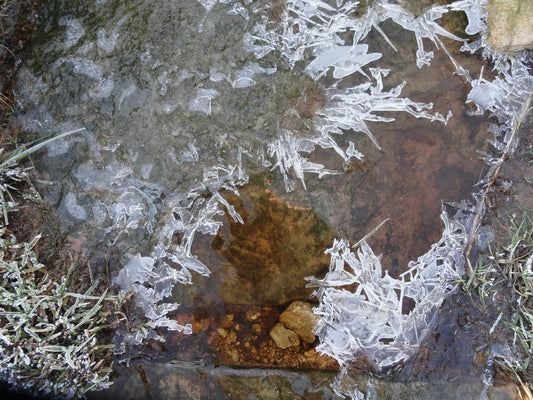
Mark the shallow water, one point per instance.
(162, 107)
(189, 381)
(166, 90)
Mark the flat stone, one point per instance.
(300, 318)
(284, 337)
(510, 25)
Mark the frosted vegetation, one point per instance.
(185, 79)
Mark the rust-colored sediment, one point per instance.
(238, 335)
(271, 253)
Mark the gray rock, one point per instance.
(510, 24)
(300, 318)
(284, 337)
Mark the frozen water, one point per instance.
(345, 59)
(202, 101)
(73, 207)
(245, 77)
(351, 107)
(176, 115)
(371, 321)
(74, 31)
(57, 148)
(304, 25)
(287, 151)
(108, 42)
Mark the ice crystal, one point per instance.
(350, 108)
(344, 59)
(506, 97)
(153, 277)
(287, 151)
(74, 31)
(305, 25)
(315, 29)
(245, 77)
(424, 26)
(372, 320)
(202, 101)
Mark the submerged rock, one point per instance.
(270, 254)
(284, 337)
(300, 318)
(510, 24)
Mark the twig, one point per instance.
(514, 259)
(370, 233)
(90, 271)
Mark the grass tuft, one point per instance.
(50, 336)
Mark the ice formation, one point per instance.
(314, 25)
(202, 101)
(74, 31)
(349, 108)
(325, 40)
(287, 151)
(373, 321)
(245, 77)
(153, 277)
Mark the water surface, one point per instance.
(167, 91)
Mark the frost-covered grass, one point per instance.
(11, 172)
(49, 341)
(516, 261)
(48, 334)
(506, 274)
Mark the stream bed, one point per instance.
(218, 164)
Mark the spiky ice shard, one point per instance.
(152, 278)
(373, 320)
(327, 38)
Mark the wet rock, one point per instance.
(239, 340)
(256, 329)
(510, 24)
(231, 337)
(284, 337)
(235, 358)
(253, 314)
(299, 317)
(278, 385)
